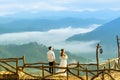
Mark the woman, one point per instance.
(63, 61)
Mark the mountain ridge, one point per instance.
(45, 24)
(109, 29)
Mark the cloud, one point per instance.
(35, 6)
(101, 60)
(85, 9)
(54, 37)
(115, 9)
(14, 6)
(77, 47)
(6, 13)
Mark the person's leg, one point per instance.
(52, 63)
(50, 67)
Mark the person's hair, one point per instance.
(62, 51)
(49, 47)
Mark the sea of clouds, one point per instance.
(53, 37)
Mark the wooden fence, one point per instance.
(11, 65)
(78, 70)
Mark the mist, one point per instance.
(53, 37)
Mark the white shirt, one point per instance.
(50, 56)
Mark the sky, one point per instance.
(13, 7)
(107, 9)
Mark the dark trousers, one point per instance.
(51, 67)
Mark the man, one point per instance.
(51, 58)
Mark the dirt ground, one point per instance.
(113, 75)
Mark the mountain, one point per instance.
(24, 25)
(106, 34)
(33, 52)
(99, 14)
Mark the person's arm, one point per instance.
(65, 56)
(48, 56)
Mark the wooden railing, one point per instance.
(75, 69)
(81, 71)
(7, 64)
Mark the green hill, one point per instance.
(33, 52)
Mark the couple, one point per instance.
(63, 60)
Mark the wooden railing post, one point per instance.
(103, 73)
(54, 68)
(78, 65)
(67, 71)
(97, 57)
(86, 74)
(43, 71)
(23, 63)
(23, 60)
(109, 65)
(118, 45)
(17, 66)
(115, 64)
